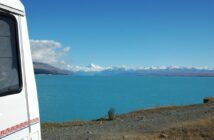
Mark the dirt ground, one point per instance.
(194, 122)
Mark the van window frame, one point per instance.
(18, 55)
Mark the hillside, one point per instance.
(42, 68)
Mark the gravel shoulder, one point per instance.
(175, 122)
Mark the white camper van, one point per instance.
(19, 112)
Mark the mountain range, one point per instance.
(92, 69)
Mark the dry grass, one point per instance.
(64, 124)
(158, 109)
(202, 129)
(209, 100)
(197, 130)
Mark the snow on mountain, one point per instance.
(93, 69)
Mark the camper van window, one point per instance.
(9, 63)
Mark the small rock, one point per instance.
(204, 135)
(125, 137)
(162, 135)
(89, 132)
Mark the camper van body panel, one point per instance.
(19, 112)
(12, 6)
(30, 83)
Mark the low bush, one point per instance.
(111, 114)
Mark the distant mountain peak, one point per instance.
(93, 67)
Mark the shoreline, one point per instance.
(195, 120)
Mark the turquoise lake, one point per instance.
(65, 98)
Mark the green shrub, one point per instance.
(111, 114)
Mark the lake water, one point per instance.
(64, 98)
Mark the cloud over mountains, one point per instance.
(52, 52)
(49, 51)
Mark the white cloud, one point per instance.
(49, 51)
(66, 49)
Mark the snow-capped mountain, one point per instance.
(93, 69)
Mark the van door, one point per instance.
(14, 122)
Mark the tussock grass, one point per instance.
(202, 129)
(209, 100)
(63, 124)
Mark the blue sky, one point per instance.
(127, 32)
